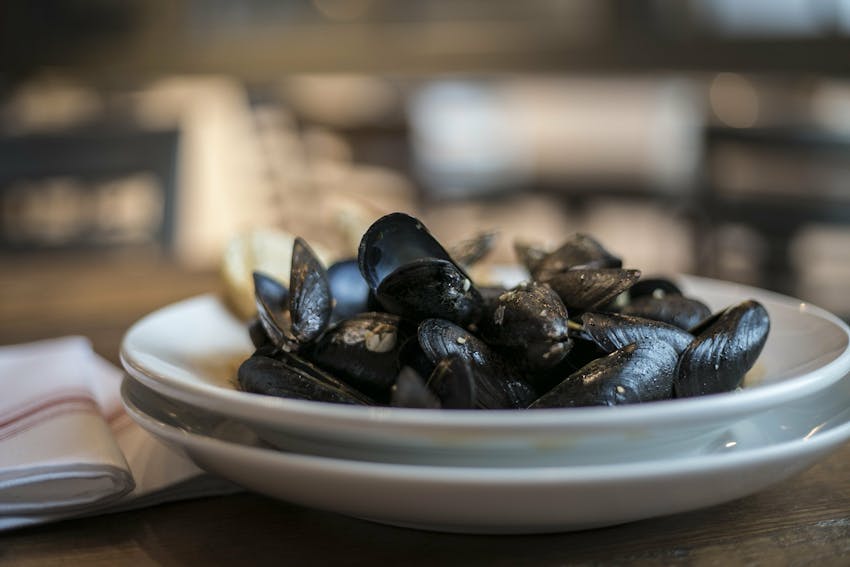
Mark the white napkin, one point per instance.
(67, 448)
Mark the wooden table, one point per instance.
(804, 521)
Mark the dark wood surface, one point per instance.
(803, 521)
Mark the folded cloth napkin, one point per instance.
(67, 448)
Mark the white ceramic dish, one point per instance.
(757, 453)
(189, 351)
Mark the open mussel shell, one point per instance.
(531, 322)
(362, 350)
(724, 351)
(410, 391)
(611, 331)
(310, 301)
(579, 251)
(639, 372)
(412, 275)
(430, 288)
(497, 384)
(589, 289)
(349, 290)
(296, 379)
(683, 312)
(272, 299)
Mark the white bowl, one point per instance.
(189, 351)
(755, 453)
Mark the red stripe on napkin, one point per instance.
(28, 417)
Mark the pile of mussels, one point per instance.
(404, 325)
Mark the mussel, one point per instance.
(580, 251)
(661, 300)
(638, 372)
(364, 351)
(725, 348)
(497, 384)
(296, 316)
(350, 292)
(530, 324)
(412, 275)
(683, 312)
(288, 378)
(612, 331)
(587, 289)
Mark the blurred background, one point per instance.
(702, 136)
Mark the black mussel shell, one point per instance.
(393, 241)
(580, 251)
(613, 331)
(310, 301)
(462, 385)
(454, 383)
(639, 372)
(441, 339)
(410, 391)
(349, 290)
(531, 322)
(722, 353)
(412, 275)
(273, 293)
(362, 350)
(430, 288)
(588, 289)
(272, 299)
(471, 251)
(683, 312)
(498, 385)
(657, 287)
(271, 377)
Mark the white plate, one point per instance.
(190, 351)
(758, 452)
